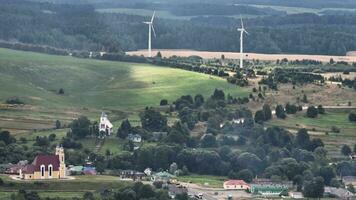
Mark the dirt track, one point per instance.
(250, 56)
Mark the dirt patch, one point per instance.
(351, 53)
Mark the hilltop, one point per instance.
(92, 85)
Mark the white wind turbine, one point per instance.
(150, 29)
(242, 31)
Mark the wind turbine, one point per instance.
(150, 29)
(242, 31)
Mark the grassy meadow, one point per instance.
(321, 126)
(90, 86)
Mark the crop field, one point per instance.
(321, 126)
(248, 56)
(90, 86)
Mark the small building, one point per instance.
(163, 176)
(132, 174)
(148, 171)
(134, 138)
(347, 180)
(296, 195)
(341, 193)
(89, 171)
(45, 167)
(105, 125)
(238, 121)
(236, 185)
(75, 170)
(269, 190)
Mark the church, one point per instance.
(45, 167)
(105, 125)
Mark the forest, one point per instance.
(80, 27)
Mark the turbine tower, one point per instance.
(150, 29)
(242, 31)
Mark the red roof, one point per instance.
(46, 160)
(235, 182)
(28, 169)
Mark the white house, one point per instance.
(236, 185)
(105, 125)
(134, 138)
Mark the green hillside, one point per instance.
(93, 85)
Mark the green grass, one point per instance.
(204, 180)
(90, 86)
(80, 184)
(319, 126)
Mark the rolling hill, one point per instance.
(92, 85)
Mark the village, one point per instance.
(53, 168)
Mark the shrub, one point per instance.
(345, 150)
(14, 100)
(321, 110)
(352, 117)
(163, 102)
(335, 129)
(312, 112)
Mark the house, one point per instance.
(45, 167)
(163, 176)
(89, 171)
(105, 125)
(238, 121)
(236, 185)
(148, 171)
(296, 195)
(134, 138)
(75, 170)
(341, 193)
(132, 174)
(349, 180)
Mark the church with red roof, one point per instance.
(45, 167)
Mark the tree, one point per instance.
(345, 150)
(159, 55)
(163, 102)
(58, 124)
(245, 175)
(218, 95)
(267, 112)
(6, 137)
(259, 116)
(280, 113)
(302, 140)
(125, 129)
(88, 196)
(208, 141)
(312, 112)
(80, 127)
(173, 168)
(328, 173)
(61, 91)
(305, 99)
(314, 188)
(352, 117)
(152, 120)
(291, 109)
(321, 110)
(198, 100)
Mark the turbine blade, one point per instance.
(246, 32)
(153, 30)
(153, 16)
(242, 23)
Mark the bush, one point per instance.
(352, 117)
(321, 110)
(163, 102)
(280, 113)
(345, 150)
(14, 100)
(335, 129)
(312, 112)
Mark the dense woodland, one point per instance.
(80, 27)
